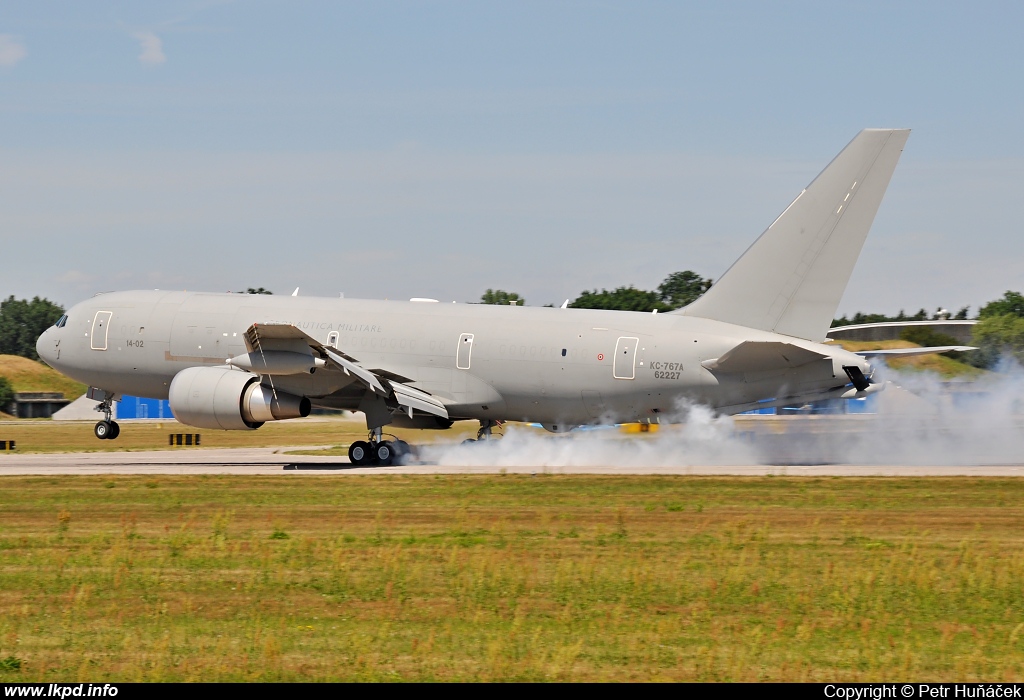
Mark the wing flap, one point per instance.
(364, 376)
(755, 356)
(414, 399)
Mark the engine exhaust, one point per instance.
(259, 405)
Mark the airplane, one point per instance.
(755, 339)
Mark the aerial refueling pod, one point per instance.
(277, 362)
(226, 399)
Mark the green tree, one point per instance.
(859, 318)
(922, 315)
(22, 322)
(621, 299)
(995, 336)
(1011, 304)
(259, 290)
(6, 394)
(682, 288)
(999, 331)
(501, 297)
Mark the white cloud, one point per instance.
(152, 48)
(11, 50)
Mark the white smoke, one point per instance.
(920, 420)
(923, 420)
(701, 439)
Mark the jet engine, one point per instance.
(226, 399)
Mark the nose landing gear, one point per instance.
(106, 429)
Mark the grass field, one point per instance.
(28, 375)
(54, 436)
(510, 578)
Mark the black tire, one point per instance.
(103, 430)
(115, 430)
(359, 453)
(469, 441)
(385, 453)
(402, 451)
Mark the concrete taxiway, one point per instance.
(271, 460)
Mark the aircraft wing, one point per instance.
(910, 352)
(754, 356)
(284, 337)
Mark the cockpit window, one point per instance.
(62, 321)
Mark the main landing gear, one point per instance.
(484, 434)
(377, 451)
(106, 429)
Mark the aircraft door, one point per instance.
(100, 329)
(624, 366)
(465, 351)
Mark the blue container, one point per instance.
(139, 407)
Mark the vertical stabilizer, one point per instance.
(790, 281)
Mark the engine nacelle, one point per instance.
(225, 399)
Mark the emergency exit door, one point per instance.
(624, 365)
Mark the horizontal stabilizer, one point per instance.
(911, 352)
(754, 356)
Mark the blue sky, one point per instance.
(398, 149)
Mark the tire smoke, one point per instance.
(921, 420)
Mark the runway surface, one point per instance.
(273, 460)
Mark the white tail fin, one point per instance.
(790, 281)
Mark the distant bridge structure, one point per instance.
(890, 330)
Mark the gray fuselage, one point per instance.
(558, 367)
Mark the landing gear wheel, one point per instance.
(359, 453)
(104, 430)
(385, 453)
(402, 450)
(115, 430)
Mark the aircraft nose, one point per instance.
(44, 347)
